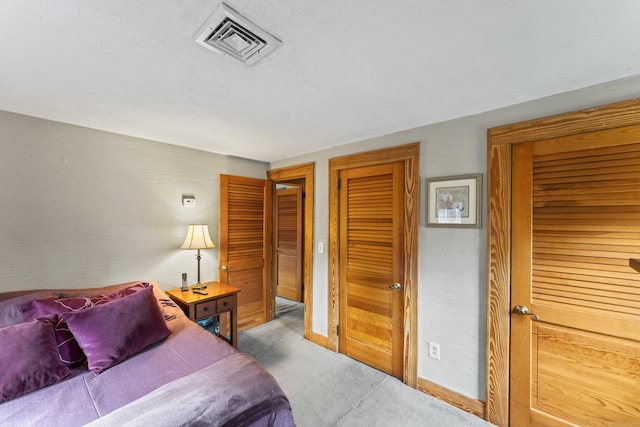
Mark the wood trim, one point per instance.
(269, 288)
(411, 236)
(334, 260)
(410, 154)
(321, 340)
(599, 118)
(304, 171)
(475, 407)
(500, 140)
(498, 282)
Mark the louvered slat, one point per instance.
(370, 221)
(586, 226)
(287, 226)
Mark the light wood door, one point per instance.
(242, 245)
(575, 225)
(371, 266)
(288, 243)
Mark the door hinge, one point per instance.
(339, 183)
(337, 329)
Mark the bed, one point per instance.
(166, 371)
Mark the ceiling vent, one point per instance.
(231, 34)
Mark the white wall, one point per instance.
(81, 207)
(452, 262)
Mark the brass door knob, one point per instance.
(522, 310)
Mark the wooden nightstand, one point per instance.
(221, 298)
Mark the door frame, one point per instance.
(499, 143)
(304, 171)
(410, 155)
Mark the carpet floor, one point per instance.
(330, 389)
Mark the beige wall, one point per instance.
(82, 207)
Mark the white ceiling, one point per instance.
(347, 70)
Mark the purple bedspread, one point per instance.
(86, 397)
(233, 392)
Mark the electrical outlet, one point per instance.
(434, 351)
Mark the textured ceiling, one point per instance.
(347, 70)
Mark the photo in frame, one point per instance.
(455, 201)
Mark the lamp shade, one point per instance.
(198, 237)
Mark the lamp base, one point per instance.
(198, 286)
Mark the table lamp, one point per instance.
(198, 238)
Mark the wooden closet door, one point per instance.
(242, 245)
(575, 356)
(371, 266)
(288, 243)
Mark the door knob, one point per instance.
(395, 286)
(225, 268)
(522, 310)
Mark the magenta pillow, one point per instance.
(70, 352)
(29, 359)
(109, 333)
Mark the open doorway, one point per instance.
(288, 253)
(286, 259)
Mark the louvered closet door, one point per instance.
(576, 224)
(242, 245)
(371, 224)
(289, 243)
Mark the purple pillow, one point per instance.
(29, 359)
(11, 309)
(70, 352)
(109, 333)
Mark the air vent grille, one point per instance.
(231, 34)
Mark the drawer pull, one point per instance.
(205, 308)
(225, 303)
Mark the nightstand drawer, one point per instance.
(205, 309)
(225, 303)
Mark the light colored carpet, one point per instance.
(330, 389)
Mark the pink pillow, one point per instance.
(29, 359)
(110, 333)
(70, 353)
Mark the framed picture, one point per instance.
(455, 201)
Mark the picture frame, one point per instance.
(455, 201)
